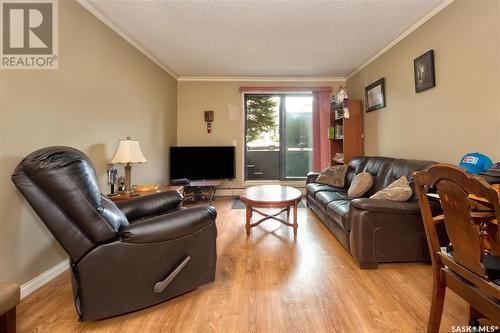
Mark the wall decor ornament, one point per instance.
(423, 69)
(375, 95)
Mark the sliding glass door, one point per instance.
(297, 133)
(262, 157)
(278, 135)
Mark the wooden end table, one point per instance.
(133, 195)
(271, 196)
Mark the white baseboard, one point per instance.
(43, 278)
(229, 192)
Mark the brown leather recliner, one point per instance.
(124, 257)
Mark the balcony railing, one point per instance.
(265, 164)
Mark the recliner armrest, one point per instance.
(311, 177)
(148, 205)
(169, 226)
(387, 206)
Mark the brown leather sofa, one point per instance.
(124, 257)
(373, 231)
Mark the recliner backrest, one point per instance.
(60, 184)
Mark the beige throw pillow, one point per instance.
(360, 184)
(333, 176)
(399, 190)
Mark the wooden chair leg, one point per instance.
(8, 321)
(474, 315)
(438, 294)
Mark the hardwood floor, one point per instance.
(269, 282)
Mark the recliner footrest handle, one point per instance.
(160, 286)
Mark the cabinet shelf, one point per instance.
(351, 143)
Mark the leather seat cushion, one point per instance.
(313, 188)
(9, 296)
(338, 210)
(325, 197)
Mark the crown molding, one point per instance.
(405, 33)
(262, 78)
(101, 17)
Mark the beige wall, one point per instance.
(462, 113)
(103, 91)
(225, 99)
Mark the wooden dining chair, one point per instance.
(468, 265)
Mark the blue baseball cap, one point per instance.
(475, 163)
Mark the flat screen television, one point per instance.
(202, 163)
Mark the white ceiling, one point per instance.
(263, 38)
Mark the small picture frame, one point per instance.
(423, 69)
(375, 95)
(209, 116)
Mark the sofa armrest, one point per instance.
(311, 177)
(169, 226)
(386, 231)
(393, 207)
(387, 206)
(148, 205)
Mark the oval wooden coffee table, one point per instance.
(271, 196)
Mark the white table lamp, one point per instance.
(128, 152)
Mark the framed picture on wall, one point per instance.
(375, 95)
(423, 69)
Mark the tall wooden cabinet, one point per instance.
(347, 134)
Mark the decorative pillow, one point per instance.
(399, 190)
(360, 184)
(333, 176)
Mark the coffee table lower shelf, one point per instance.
(284, 198)
(251, 210)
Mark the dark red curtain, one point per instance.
(321, 122)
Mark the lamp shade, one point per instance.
(128, 151)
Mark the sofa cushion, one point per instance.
(325, 197)
(398, 190)
(338, 211)
(406, 168)
(360, 185)
(333, 176)
(379, 168)
(357, 163)
(314, 188)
